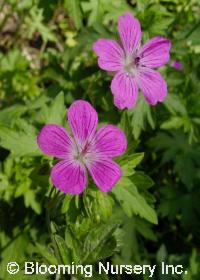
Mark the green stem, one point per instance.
(48, 220)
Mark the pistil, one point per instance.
(130, 64)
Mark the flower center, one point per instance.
(79, 157)
(131, 64)
(81, 154)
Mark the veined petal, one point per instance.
(69, 177)
(55, 141)
(110, 141)
(152, 85)
(110, 54)
(130, 32)
(105, 173)
(155, 52)
(83, 121)
(125, 90)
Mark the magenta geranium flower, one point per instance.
(177, 65)
(86, 150)
(133, 65)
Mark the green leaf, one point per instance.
(11, 114)
(45, 252)
(37, 103)
(141, 180)
(30, 200)
(175, 148)
(132, 201)
(140, 115)
(13, 61)
(161, 254)
(66, 203)
(100, 242)
(104, 10)
(15, 251)
(74, 9)
(144, 228)
(18, 142)
(57, 110)
(34, 22)
(98, 205)
(72, 244)
(125, 125)
(174, 104)
(64, 251)
(172, 123)
(130, 162)
(95, 9)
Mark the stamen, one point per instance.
(81, 155)
(137, 60)
(130, 64)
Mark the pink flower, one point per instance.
(87, 150)
(133, 65)
(177, 65)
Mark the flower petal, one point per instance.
(105, 173)
(110, 54)
(155, 52)
(152, 85)
(130, 32)
(125, 90)
(110, 141)
(54, 141)
(69, 177)
(83, 121)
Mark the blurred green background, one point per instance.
(153, 213)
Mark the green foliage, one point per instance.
(35, 23)
(140, 117)
(132, 202)
(186, 157)
(47, 62)
(73, 7)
